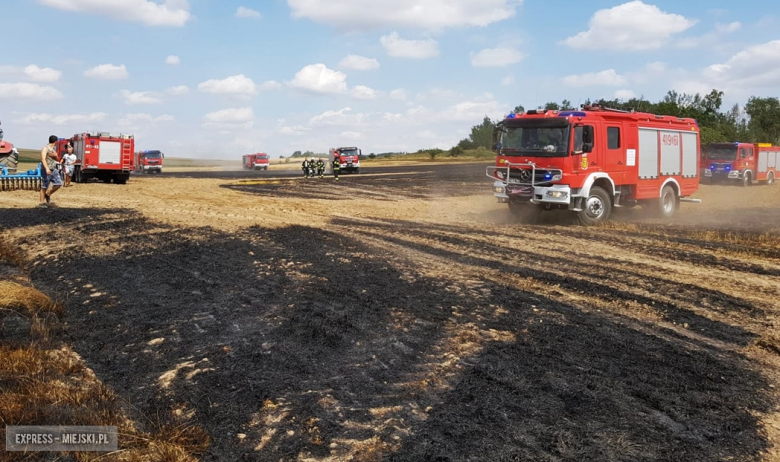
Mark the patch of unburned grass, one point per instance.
(45, 383)
(11, 255)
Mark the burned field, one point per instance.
(401, 315)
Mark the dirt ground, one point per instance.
(401, 315)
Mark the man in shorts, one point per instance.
(51, 175)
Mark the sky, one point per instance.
(220, 78)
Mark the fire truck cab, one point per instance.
(350, 158)
(257, 161)
(592, 160)
(743, 163)
(149, 161)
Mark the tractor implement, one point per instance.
(24, 181)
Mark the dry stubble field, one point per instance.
(400, 315)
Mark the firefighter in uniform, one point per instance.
(336, 166)
(305, 167)
(321, 168)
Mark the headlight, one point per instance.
(556, 177)
(498, 189)
(557, 194)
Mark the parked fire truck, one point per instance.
(150, 161)
(257, 161)
(743, 163)
(591, 160)
(103, 156)
(350, 158)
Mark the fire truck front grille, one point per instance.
(523, 176)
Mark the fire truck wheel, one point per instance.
(770, 178)
(667, 204)
(746, 179)
(597, 207)
(525, 213)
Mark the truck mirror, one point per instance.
(496, 147)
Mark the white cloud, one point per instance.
(178, 90)
(624, 94)
(474, 111)
(607, 78)
(42, 74)
(234, 85)
(317, 78)
(140, 118)
(351, 135)
(342, 117)
(657, 66)
(363, 92)
(398, 94)
(354, 15)
(295, 130)
(728, 28)
(417, 49)
(168, 13)
(62, 119)
(28, 91)
(754, 67)
(172, 60)
(359, 63)
(496, 57)
(270, 85)
(229, 119)
(508, 80)
(243, 12)
(232, 115)
(634, 26)
(139, 97)
(107, 72)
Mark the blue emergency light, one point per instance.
(573, 114)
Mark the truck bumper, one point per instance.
(557, 194)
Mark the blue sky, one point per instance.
(217, 79)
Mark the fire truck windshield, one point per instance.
(349, 152)
(262, 157)
(721, 152)
(152, 154)
(536, 141)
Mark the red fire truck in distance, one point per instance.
(150, 161)
(103, 156)
(592, 160)
(257, 161)
(350, 158)
(743, 163)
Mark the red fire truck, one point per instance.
(350, 158)
(743, 163)
(592, 160)
(150, 161)
(103, 156)
(257, 161)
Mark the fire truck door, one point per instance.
(615, 160)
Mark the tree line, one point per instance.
(757, 121)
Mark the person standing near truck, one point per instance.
(50, 171)
(69, 161)
(321, 167)
(336, 165)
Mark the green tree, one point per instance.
(764, 123)
(519, 109)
